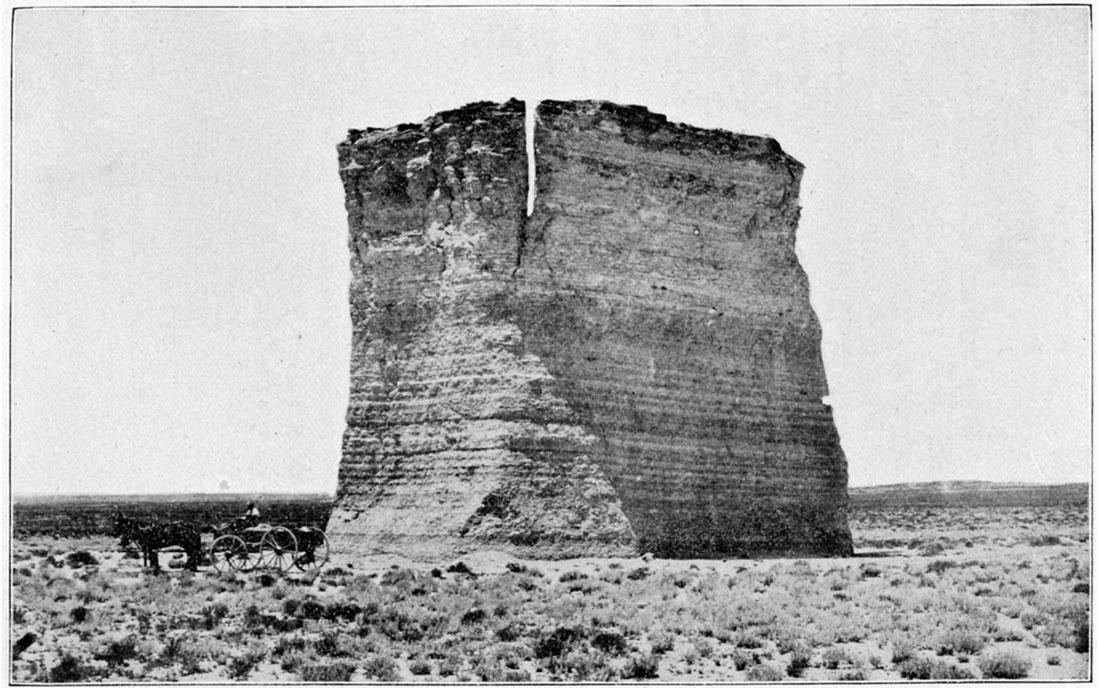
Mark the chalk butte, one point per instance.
(635, 367)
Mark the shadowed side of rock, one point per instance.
(455, 438)
(660, 287)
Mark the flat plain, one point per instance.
(950, 581)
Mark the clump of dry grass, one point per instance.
(1004, 664)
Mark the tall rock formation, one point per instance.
(634, 367)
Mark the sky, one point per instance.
(180, 268)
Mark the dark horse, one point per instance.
(151, 537)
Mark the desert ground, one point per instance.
(935, 592)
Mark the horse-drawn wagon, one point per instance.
(240, 547)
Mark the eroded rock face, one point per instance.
(635, 367)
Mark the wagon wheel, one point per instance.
(278, 548)
(229, 553)
(314, 552)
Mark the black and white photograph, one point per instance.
(519, 343)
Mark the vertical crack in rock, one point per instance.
(529, 139)
(651, 379)
(532, 188)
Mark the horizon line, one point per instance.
(15, 495)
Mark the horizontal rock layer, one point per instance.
(635, 367)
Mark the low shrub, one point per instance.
(450, 665)
(941, 565)
(420, 667)
(749, 641)
(311, 609)
(611, 642)
(662, 642)
(947, 671)
(401, 627)
(559, 642)
(1007, 634)
(788, 636)
(326, 671)
(243, 664)
(703, 646)
(960, 642)
(80, 559)
(638, 574)
(742, 659)
(252, 619)
(800, 660)
(188, 653)
(78, 614)
(380, 667)
(1081, 643)
(212, 615)
(932, 549)
(834, 657)
(516, 567)
(294, 660)
(1030, 620)
(1004, 665)
(763, 673)
(118, 651)
(870, 571)
(641, 667)
(474, 616)
(461, 568)
(487, 670)
(856, 675)
(903, 652)
(508, 633)
(511, 655)
(1054, 660)
(337, 611)
(919, 668)
(328, 645)
(527, 584)
(71, 670)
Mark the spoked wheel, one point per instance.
(314, 552)
(278, 549)
(229, 554)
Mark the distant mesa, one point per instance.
(634, 367)
(973, 493)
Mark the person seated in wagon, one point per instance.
(251, 516)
